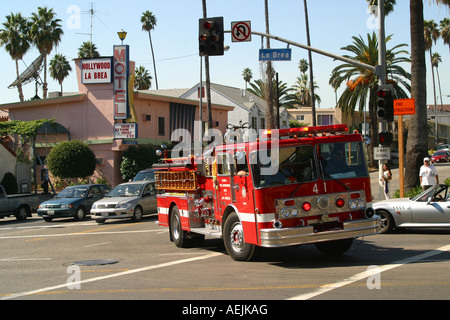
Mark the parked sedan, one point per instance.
(74, 201)
(430, 209)
(127, 200)
(440, 156)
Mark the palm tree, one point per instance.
(435, 60)
(259, 87)
(445, 30)
(417, 144)
(59, 69)
(148, 21)
(247, 75)
(15, 38)
(142, 79)
(303, 65)
(302, 94)
(302, 88)
(88, 50)
(362, 84)
(431, 34)
(45, 33)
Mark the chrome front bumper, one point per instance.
(302, 235)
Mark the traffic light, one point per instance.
(385, 138)
(210, 36)
(385, 104)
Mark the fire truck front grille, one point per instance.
(176, 180)
(309, 206)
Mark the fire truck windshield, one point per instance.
(298, 164)
(286, 165)
(342, 160)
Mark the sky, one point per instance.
(175, 39)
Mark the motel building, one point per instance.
(109, 116)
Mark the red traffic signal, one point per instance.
(211, 36)
(385, 104)
(385, 138)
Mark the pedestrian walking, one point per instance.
(428, 174)
(387, 175)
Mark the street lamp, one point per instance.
(122, 35)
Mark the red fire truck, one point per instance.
(306, 185)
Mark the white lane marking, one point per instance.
(50, 226)
(75, 234)
(97, 244)
(25, 259)
(114, 275)
(366, 274)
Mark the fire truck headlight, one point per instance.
(289, 212)
(356, 204)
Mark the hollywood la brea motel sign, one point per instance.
(114, 69)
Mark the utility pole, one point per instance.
(208, 83)
(311, 75)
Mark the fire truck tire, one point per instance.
(334, 248)
(233, 238)
(178, 235)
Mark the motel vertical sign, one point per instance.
(121, 73)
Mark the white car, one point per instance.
(128, 200)
(430, 209)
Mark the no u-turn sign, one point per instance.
(241, 31)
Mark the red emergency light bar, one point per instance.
(304, 131)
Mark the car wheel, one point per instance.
(100, 221)
(386, 221)
(22, 213)
(80, 214)
(233, 238)
(137, 214)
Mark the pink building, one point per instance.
(89, 116)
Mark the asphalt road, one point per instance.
(40, 261)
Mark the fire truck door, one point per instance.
(242, 183)
(225, 196)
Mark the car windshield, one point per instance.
(440, 153)
(342, 160)
(437, 194)
(126, 190)
(286, 165)
(73, 192)
(145, 176)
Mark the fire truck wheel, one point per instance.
(233, 237)
(177, 233)
(334, 248)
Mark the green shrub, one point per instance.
(71, 159)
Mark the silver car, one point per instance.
(128, 200)
(430, 209)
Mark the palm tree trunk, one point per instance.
(417, 145)
(44, 87)
(19, 86)
(153, 56)
(436, 131)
